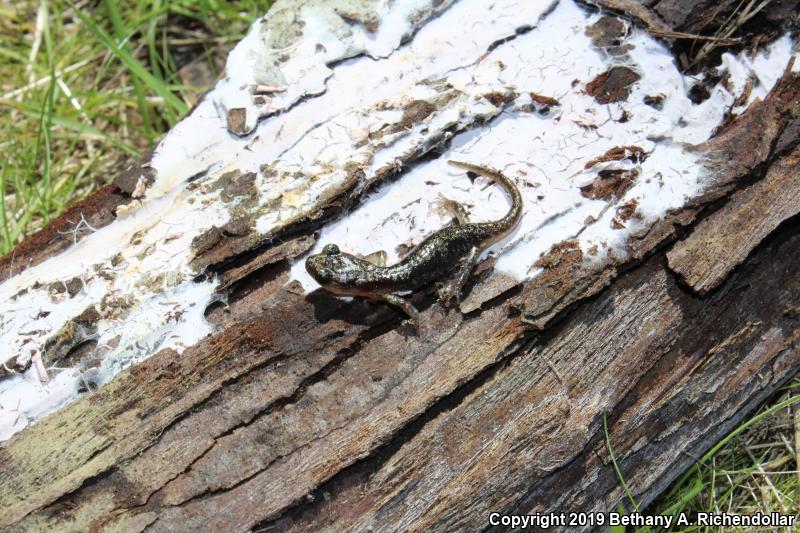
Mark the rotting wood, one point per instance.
(724, 239)
(645, 351)
(767, 130)
(195, 205)
(313, 413)
(655, 359)
(700, 32)
(83, 217)
(96, 440)
(612, 85)
(289, 249)
(636, 11)
(709, 23)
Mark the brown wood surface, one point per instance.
(405, 431)
(726, 238)
(315, 414)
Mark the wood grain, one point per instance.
(528, 438)
(315, 397)
(724, 239)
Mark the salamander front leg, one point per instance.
(376, 258)
(403, 304)
(451, 291)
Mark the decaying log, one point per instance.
(286, 408)
(723, 240)
(527, 437)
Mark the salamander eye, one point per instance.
(330, 249)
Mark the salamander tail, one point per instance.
(514, 214)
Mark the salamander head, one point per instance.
(336, 271)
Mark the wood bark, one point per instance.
(312, 413)
(723, 240)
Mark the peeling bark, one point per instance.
(723, 240)
(737, 154)
(80, 219)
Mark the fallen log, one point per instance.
(197, 378)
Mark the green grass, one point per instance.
(753, 469)
(614, 463)
(85, 85)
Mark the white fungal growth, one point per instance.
(547, 154)
(134, 273)
(473, 71)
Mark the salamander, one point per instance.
(438, 254)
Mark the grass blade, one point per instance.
(174, 106)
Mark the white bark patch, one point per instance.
(547, 154)
(297, 41)
(463, 66)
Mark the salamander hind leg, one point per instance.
(451, 291)
(458, 212)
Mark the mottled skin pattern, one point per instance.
(433, 258)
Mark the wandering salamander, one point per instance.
(437, 255)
